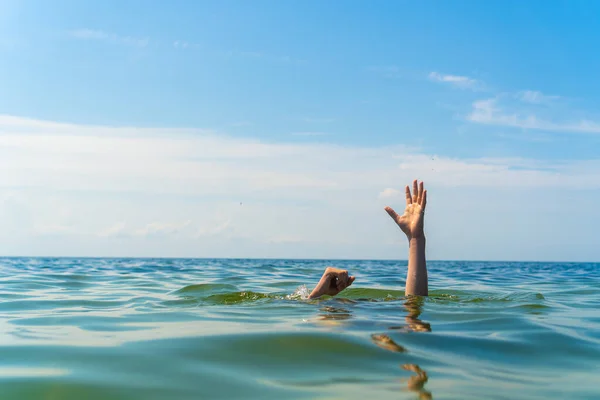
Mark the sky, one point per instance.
(282, 128)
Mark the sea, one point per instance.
(73, 329)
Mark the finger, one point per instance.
(408, 196)
(393, 213)
(424, 200)
(332, 270)
(420, 196)
(342, 282)
(344, 277)
(415, 191)
(409, 367)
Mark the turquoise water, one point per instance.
(239, 329)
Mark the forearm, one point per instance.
(315, 293)
(318, 290)
(416, 277)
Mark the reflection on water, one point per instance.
(385, 342)
(413, 306)
(334, 313)
(416, 382)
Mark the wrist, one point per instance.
(416, 240)
(316, 292)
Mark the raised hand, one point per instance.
(411, 222)
(332, 282)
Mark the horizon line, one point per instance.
(296, 259)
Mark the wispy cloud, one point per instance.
(67, 156)
(117, 229)
(490, 112)
(525, 109)
(461, 82)
(162, 228)
(91, 34)
(535, 97)
(152, 229)
(389, 193)
(219, 228)
(215, 195)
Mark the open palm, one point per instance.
(411, 222)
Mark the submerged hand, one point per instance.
(332, 282)
(411, 222)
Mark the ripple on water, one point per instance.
(223, 329)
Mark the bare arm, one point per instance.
(412, 223)
(416, 277)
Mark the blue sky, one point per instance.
(136, 128)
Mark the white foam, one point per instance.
(301, 293)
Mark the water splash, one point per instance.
(301, 293)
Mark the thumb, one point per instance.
(392, 213)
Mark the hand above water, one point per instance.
(411, 222)
(332, 282)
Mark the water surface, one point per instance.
(239, 329)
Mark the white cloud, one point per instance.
(71, 157)
(162, 228)
(215, 229)
(462, 82)
(490, 112)
(389, 193)
(120, 191)
(535, 97)
(226, 229)
(117, 229)
(91, 34)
